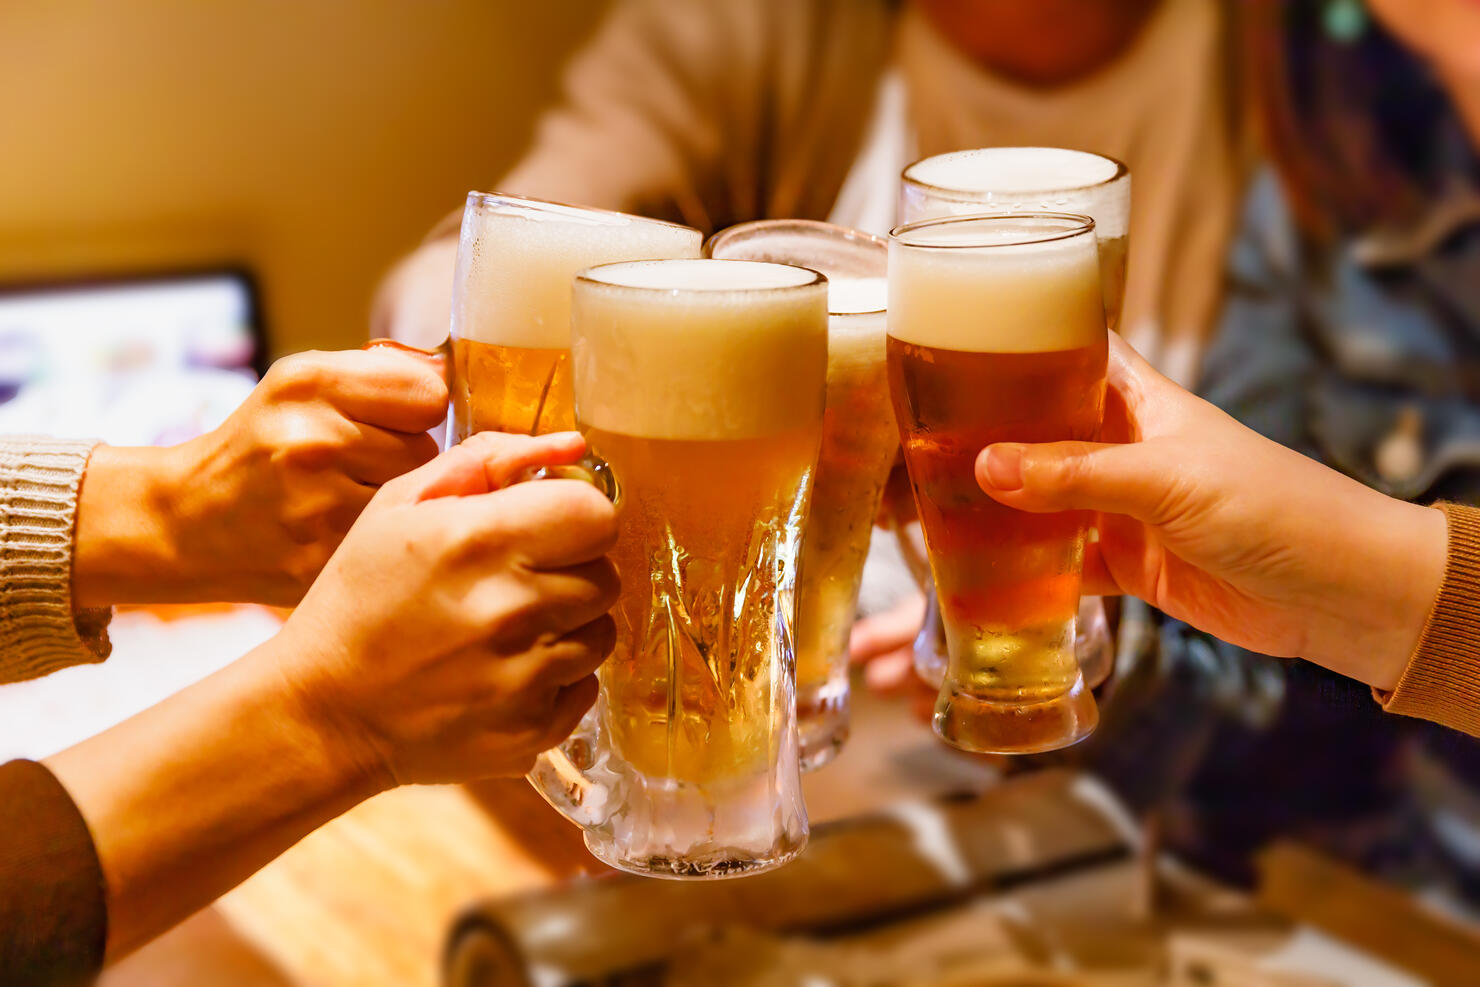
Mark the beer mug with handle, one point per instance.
(699, 386)
(859, 444)
(507, 359)
(1019, 180)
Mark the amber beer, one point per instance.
(699, 384)
(511, 304)
(997, 334)
(859, 442)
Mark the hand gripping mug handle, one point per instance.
(577, 778)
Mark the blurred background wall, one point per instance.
(310, 141)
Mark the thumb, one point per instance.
(1065, 476)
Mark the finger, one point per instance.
(878, 635)
(571, 704)
(572, 656)
(394, 390)
(890, 673)
(554, 523)
(382, 387)
(320, 513)
(482, 463)
(570, 598)
(1126, 479)
(375, 456)
(491, 461)
(1098, 580)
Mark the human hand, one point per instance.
(884, 644)
(251, 511)
(1446, 32)
(455, 632)
(1235, 534)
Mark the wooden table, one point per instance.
(367, 900)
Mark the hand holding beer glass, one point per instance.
(993, 180)
(699, 386)
(858, 446)
(997, 334)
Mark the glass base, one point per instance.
(1094, 645)
(970, 723)
(718, 866)
(822, 723)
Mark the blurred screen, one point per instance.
(147, 361)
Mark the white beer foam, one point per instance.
(852, 296)
(1011, 179)
(699, 349)
(857, 326)
(518, 258)
(960, 288)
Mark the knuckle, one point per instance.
(300, 375)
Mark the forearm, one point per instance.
(187, 799)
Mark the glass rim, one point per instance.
(846, 233)
(822, 229)
(492, 199)
(592, 277)
(1082, 225)
(967, 195)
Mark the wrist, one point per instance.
(124, 544)
(1411, 573)
(353, 764)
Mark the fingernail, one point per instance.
(1005, 466)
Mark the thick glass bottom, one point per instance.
(970, 723)
(822, 723)
(718, 865)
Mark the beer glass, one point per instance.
(699, 386)
(997, 334)
(1029, 179)
(507, 360)
(858, 445)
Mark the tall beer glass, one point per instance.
(1029, 179)
(511, 304)
(699, 386)
(858, 445)
(997, 334)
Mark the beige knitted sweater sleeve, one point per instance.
(39, 630)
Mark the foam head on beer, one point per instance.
(1019, 179)
(996, 285)
(518, 256)
(739, 346)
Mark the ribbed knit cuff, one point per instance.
(39, 631)
(1441, 681)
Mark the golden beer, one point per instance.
(997, 334)
(700, 385)
(858, 446)
(997, 180)
(511, 304)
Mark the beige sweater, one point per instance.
(39, 630)
(724, 111)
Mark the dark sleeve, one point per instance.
(53, 919)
